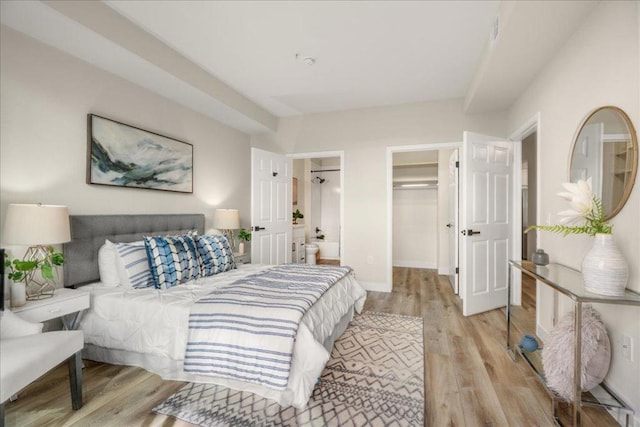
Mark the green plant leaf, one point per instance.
(24, 265)
(17, 276)
(244, 235)
(561, 229)
(47, 271)
(57, 258)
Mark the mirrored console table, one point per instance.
(568, 282)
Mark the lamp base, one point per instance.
(230, 237)
(38, 288)
(37, 291)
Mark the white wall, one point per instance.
(46, 96)
(599, 65)
(363, 135)
(415, 239)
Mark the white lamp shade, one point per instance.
(33, 225)
(226, 219)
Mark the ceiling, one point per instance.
(367, 53)
(242, 62)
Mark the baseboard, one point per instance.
(616, 414)
(375, 286)
(445, 271)
(541, 333)
(414, 264)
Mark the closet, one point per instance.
(415, 209)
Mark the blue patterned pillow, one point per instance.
(132, 265)
(215, 254)
(172, 260)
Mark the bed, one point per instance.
(149, 327)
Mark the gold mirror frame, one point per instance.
(608, 159)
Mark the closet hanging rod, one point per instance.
(325, 170)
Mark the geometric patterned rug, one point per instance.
(375, 377)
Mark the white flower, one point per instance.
(580, 196)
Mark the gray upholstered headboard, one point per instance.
(88, 233)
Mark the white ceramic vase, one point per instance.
(604, 269)
(18, 294)
(241, 248)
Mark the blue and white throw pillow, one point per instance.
(132, 265)
(172, 260)
(215, 254)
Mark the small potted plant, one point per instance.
(21, 273)
(243, 236)
(297, 215)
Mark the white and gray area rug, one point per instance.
(375, 377)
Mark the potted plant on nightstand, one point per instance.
(243, 236)
(25, 270)
(297, 215)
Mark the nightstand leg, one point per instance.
(70, 321)
(75, 380)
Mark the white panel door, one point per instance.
(453, 224)
(485, 212)
(270, 207)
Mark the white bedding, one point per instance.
(149, 328)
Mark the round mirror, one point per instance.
(606, 150)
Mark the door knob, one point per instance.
(469, 232)
(449, 225)
(258, 228)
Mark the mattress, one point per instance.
(149, 328)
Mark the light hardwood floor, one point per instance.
(469, 378)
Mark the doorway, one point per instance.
(417, 214)
(415, 209)
(526, 203)
(319, 180)
(529, 194)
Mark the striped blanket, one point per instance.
(246, 330)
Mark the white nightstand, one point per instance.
(65, 303)
(245, 258)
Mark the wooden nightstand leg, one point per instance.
(75, 380)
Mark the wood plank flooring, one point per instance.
(469, 378)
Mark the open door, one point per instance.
(453, 224)
(485, 215)
(270, 207)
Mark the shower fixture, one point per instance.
(318, 180)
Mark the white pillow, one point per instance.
(107, 265)
(12, 326)
(557, 353)
(132, 265)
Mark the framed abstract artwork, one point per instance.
(122, 155)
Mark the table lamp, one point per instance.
(38, 226)
(227, 220)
